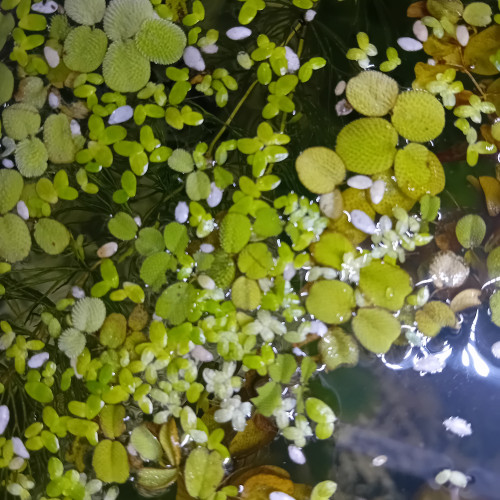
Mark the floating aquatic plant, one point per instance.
(84, 49)
(192, 284)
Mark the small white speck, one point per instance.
(207, 248)
(359, 182)
(22, 210)
(54, 100)
(181, 212)
(210, 49)
(4, 418)
(309, 15)
(238, 33)
(8, 163)
(431, 62)
(51, 56)
(409, 44)
(193, 58)
(215, 196)
(107, 250)
(77, 292)
(296, 455)
(458, 426)
(199, 353)
(121, 114)
(360, 220)
(340, 87)
(38, 360)
(377, 191)
(292, 59)
(379, 461)
(420, 30)
(138, 221)
(44, 7)
(462, 35)
(75, 128)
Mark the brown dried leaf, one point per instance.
(443, 51)
(242, 475)
(301, 491)
(426, 73)
(463, 98)
(465, 299)
(169, 439)
(493, 94)
(258, 433)
(491, 189)
(260, 486)
(417, 9)
(480, 48)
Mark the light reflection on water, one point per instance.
(406, 422)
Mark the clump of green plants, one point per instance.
(169, 300)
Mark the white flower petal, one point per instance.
(292, 59)
(138, 221)
(19, 448)
(495, 349)
(38, 360)
(462, 35)
(22, 210)
(107, 250)
(309, 15)
(199, 353)
(360, 220)
(289, 272)
(377, 191)
(343, 108)
(193, 58)
(296, 455)
(420, 30)
(210, 49)
(207, 248)
(45, 7)
(360, 182)
(409, 44)
(181, 212)
(77, 292)
(279, 495)
(51, 56)
(54, 100)
(8, 163)
(215, 196)
(75, 128)
(340, 87)
(206, 282)
(121, 114)
(4, 418)
(238, 33)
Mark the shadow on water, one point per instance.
(394, 414)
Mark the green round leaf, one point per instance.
(330, 249)
(384, 285)
(123, 226)
(11, 187)
(149, 241)
(337, 348)
(255, 260)
(376, 329)
(113, 331)
(7, 79)
(176, 302)
(198, 186)
(331, 301)
(110, 462)
(88, 314)
(235, 231)
(52, 237)
(154, 269)
(39, 392)
(148, 447)
(15, 239)
(176, 238)
(470, 231)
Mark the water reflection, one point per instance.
(404, 419)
